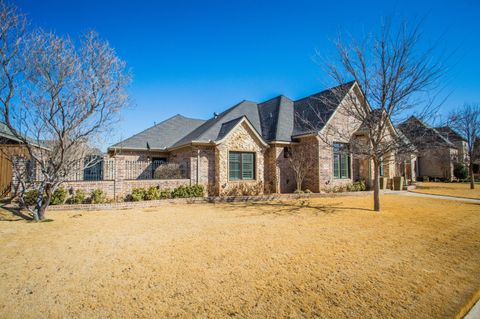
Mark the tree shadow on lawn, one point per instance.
(290, 208)
(7, 212)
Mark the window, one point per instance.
(382, 170)
(93, 168)
(241, 166)
(286, 152)
(341, 161)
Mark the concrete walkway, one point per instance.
(474, 313)
(460, 199)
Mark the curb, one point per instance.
(468, 306)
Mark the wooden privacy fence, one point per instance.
(6, 171)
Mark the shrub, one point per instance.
(97, 196)
(245, 189)
(460, 171)
(165, 193)
(197, 190)
(78, 197)
(168, 171)
(425, 179)
(138, 194)
(339, 189)
(59, 196)
(152, 193)
(30, 197)
(188, 191)
(298, 191)
(307, 191)
(356, 186)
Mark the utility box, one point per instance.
(398, 183)
(383, 183)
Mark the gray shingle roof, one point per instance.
(422, 135)
(227, 127)
(277, 119)
(450, 134)
(210, 130)
(313, 112)
(162, 135)
(6, 133)
(9, 136)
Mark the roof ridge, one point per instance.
(326, 90)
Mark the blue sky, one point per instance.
(200, 57)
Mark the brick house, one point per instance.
(439, 149)
(247, 143)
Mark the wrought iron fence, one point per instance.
(98, 169)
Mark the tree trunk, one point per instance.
(299, 184)
(376, 186)
(472, 176)
(42, 202)
(38, 203)
(46, 201)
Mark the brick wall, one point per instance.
(204, 158)
(120, 189)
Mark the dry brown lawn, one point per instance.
(449, 189)
(330, 258)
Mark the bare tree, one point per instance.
(466, 121)
(301, 159)
(393, 74)
(69, 97)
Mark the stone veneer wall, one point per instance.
(241, 139)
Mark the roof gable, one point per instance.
(231, 126)
(211, 129)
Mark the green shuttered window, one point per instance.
(241, 166)
(341, 161)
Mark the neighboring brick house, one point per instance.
(438, 150)
(246, 144)
(457, 140)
